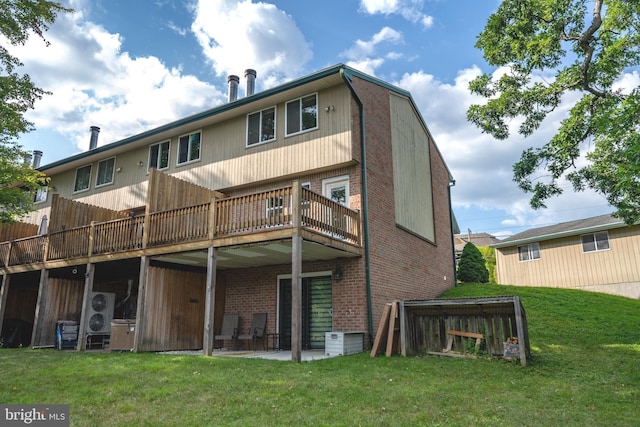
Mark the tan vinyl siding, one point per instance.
(411, 170)
(563, 264)
(225, 160)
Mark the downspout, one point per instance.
(365, 204)
(452, 182)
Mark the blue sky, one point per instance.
(128, 66)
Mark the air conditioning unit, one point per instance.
(100, 313)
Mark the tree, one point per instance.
(489, 255)
(587, 52)
(18, 181)
(471, 268)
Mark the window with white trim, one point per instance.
(159, 156)
(529, 252)
(106, 168)
(83, 179)
(302, 114)
(261, 126)
(595, 242)
(337, 189)
(189, 148)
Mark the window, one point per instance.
(302, 114)
(105, 172)
(261, 126)
(83, 178)
(529, 252)
(337, 189)
(595, 242)
(159, 156)
(40, 195)
(189, 148)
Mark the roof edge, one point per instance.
(561, 234)
(203, 115)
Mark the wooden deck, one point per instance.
(230, 221)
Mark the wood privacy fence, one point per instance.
(253, 213)
(424, 325)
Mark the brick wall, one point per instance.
(403, 265)
(255, 290)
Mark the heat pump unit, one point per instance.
(100, 313)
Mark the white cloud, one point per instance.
(362, 49)
(411, 10)
(236, 35)
(627, 82)
(368, 66)
(363, 54)
(94, 83)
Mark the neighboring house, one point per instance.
(316, 202)
(478, 239)
(598, 254)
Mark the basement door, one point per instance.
(316, 312)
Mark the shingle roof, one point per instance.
(602, 222)
(478, 239)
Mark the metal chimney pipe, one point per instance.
(250, 75)
(93, 142)
(233, 87)
(37, 157)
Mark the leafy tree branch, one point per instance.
(549, 49)
(18, 180)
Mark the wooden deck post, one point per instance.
(142, 289)
(86, 302)
(8, 258)
(296, 276)
(41, 305)
(4, 291)
(210, 302)
(92, 233)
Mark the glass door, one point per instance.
(316, 312)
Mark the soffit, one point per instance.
(259, 255)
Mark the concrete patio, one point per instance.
(283, 355)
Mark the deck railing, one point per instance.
(329, 217)
(27, 251)
(117, 235)
(71, 243)
(188, 224)
(250, 214)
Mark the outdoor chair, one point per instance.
(229, 329)
(257, 330)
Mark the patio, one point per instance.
(285, 355)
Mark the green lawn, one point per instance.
(584, 371)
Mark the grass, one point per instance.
(584, 371)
